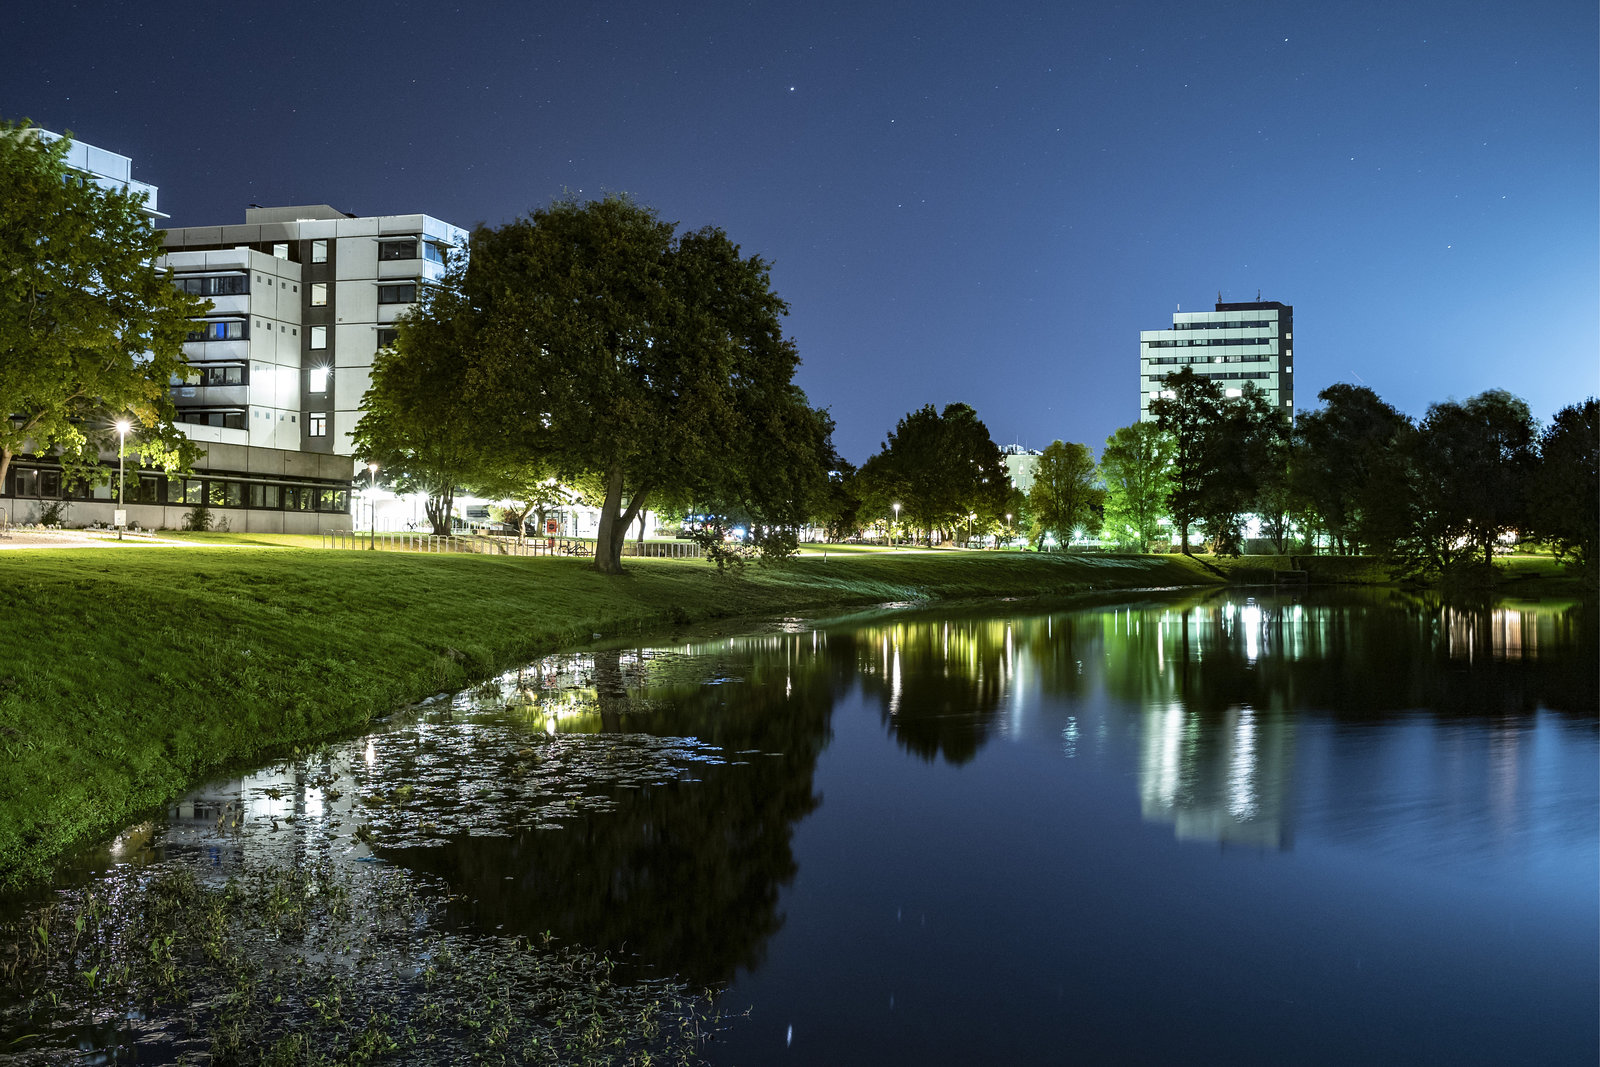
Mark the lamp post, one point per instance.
(971, 515)
(372, 506)
(896, 507)
(122, 437)
(1008, 529)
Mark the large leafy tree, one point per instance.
(1455, 484)
(942, 467)
(1564, 497)
(417, 424)
(1136, 469)
(655, 362)
(1064, 495)
(90, 332)
(1338, 467)
(1190, 411)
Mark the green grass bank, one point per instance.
(129, 674)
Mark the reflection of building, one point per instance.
(1223, 779)
(1237, 344)
(1021, 465)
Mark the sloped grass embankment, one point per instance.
(130, 675)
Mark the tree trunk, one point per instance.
(614, 523)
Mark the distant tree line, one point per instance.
(1353, 476)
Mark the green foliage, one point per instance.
(1341, 471)
(1225, 450)
(417, 424)
(608, 345)
(1136, 469)
(1564, 498)
(199, 518)
(1064, 496)
(941, 467)
(89, 333)
(52, 512)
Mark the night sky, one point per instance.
(960, 202)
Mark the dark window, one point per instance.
(50, 483)
(433, 252)
(386, 336)
(149, 489)
(215, 284)
(27, 483)
(397, 294)
(405, 249)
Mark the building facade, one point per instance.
(1234, 345)
(302, 298)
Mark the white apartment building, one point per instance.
(1235, 344)
(303, 299)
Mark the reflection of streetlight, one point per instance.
(971, 515)
(1008, 529)
(122, 436)
(372, 504)
(896, 507)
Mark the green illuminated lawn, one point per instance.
(129, 674)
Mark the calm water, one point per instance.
(1331, 829)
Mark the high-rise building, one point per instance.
(1237, 344)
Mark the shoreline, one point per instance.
(126, 679)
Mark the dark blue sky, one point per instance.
(983, 204)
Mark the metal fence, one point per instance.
(481, 544)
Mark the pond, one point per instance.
(1322, 828)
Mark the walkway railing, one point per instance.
(481, 544)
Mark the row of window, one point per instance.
(227, 418)
(1185, 361)
(1185, 343)
(406, 248)
(218, 330)
(48, 484)
(1219, 376)
(214, 284)
(1235, 324)
(213, 374)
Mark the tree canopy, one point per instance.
(591, 341)
(417, 424)
(1064, 495)
(942, 467)
(89, 332)
(1564, 503)
(1135, 467)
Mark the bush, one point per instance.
(52, 513)
(199, 518)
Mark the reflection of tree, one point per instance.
(683, 875)
(1354, 654)
(939, 682)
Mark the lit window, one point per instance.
(319, 337)
(319, 251)
(280, 250)
(318, 423)
(319, 380)
(319, 294)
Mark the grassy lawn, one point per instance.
(129, 675)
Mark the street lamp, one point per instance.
(372, 505)
(971, 515)
(896, 507)
(123, 426)
(1008, 529)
